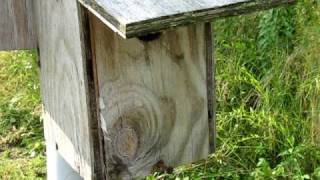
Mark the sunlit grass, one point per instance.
(21, 136)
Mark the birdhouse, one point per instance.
(127, 85)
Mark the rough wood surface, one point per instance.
(92, 92)
(16, 25)
(211, 88)
(64, 83)
(153, 98)
(135, 17)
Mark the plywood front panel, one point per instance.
(17, 29)
(153, 98)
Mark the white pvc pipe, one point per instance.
(58, 168)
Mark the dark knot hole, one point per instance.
(150, 37)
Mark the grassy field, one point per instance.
(21, 136)
(268, 93)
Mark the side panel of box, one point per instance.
(64, 83)
(153, 98)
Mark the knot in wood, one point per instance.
(127, 142)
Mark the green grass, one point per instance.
(268, 94)
(21, 136)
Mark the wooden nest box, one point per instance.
(127, 85)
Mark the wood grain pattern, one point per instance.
(135, 17)
(93, 96)
(211, 86)
(64, 84)
(153, 98)
(16, 25)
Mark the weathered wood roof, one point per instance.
(137, 17)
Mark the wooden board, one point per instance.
(153, 98)
(211, 86)
(16, 25)
(64, 84)
(136, 17)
